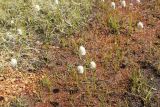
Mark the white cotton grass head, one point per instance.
(82, 51)
(13, 62)
(80, 69)
(138, 1)
(131, 4)
(123, 3)
(9, 36)
(93, 65)
(140, 25)
(113, 5)
(37, 7)
(57, 1)
(12, 21)
(19, 31)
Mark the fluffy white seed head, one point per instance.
(82, 51)
(138, 1)
(92, 65)
(123, 3)
(140, 25)
(113, 5)
(37, 8)
(19, 31)
(12, 21)
(9, 36)
(13, 62)
(131, 5)
(57, 1)
(80, 69)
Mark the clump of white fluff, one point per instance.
(12, 21)
(37, 7)
(82, 51)
(123, 3)
(56, 1)
(9, 36)
(80, 69)
(113, 5)
(13, 62)
(140, 25)
(92, 65)
(19, 31)
(138, 1)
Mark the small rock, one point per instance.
(13, 80)
(56, 90)
(1, 98)
(123, 66)
(73, 90)
(2, 78)
(59, 63)
(54, 104)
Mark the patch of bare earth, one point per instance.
(14, 83)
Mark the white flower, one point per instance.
(39, 43)
(56, 1)
(140, 25)
(113, 5)
(37, 7)
(12, 21)
(138, 1)
(9, 36)
(123, 3)
(82, 51)
(80, 69)
(13, 62)
(19, 31)
(131, 4)
(92, 65)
